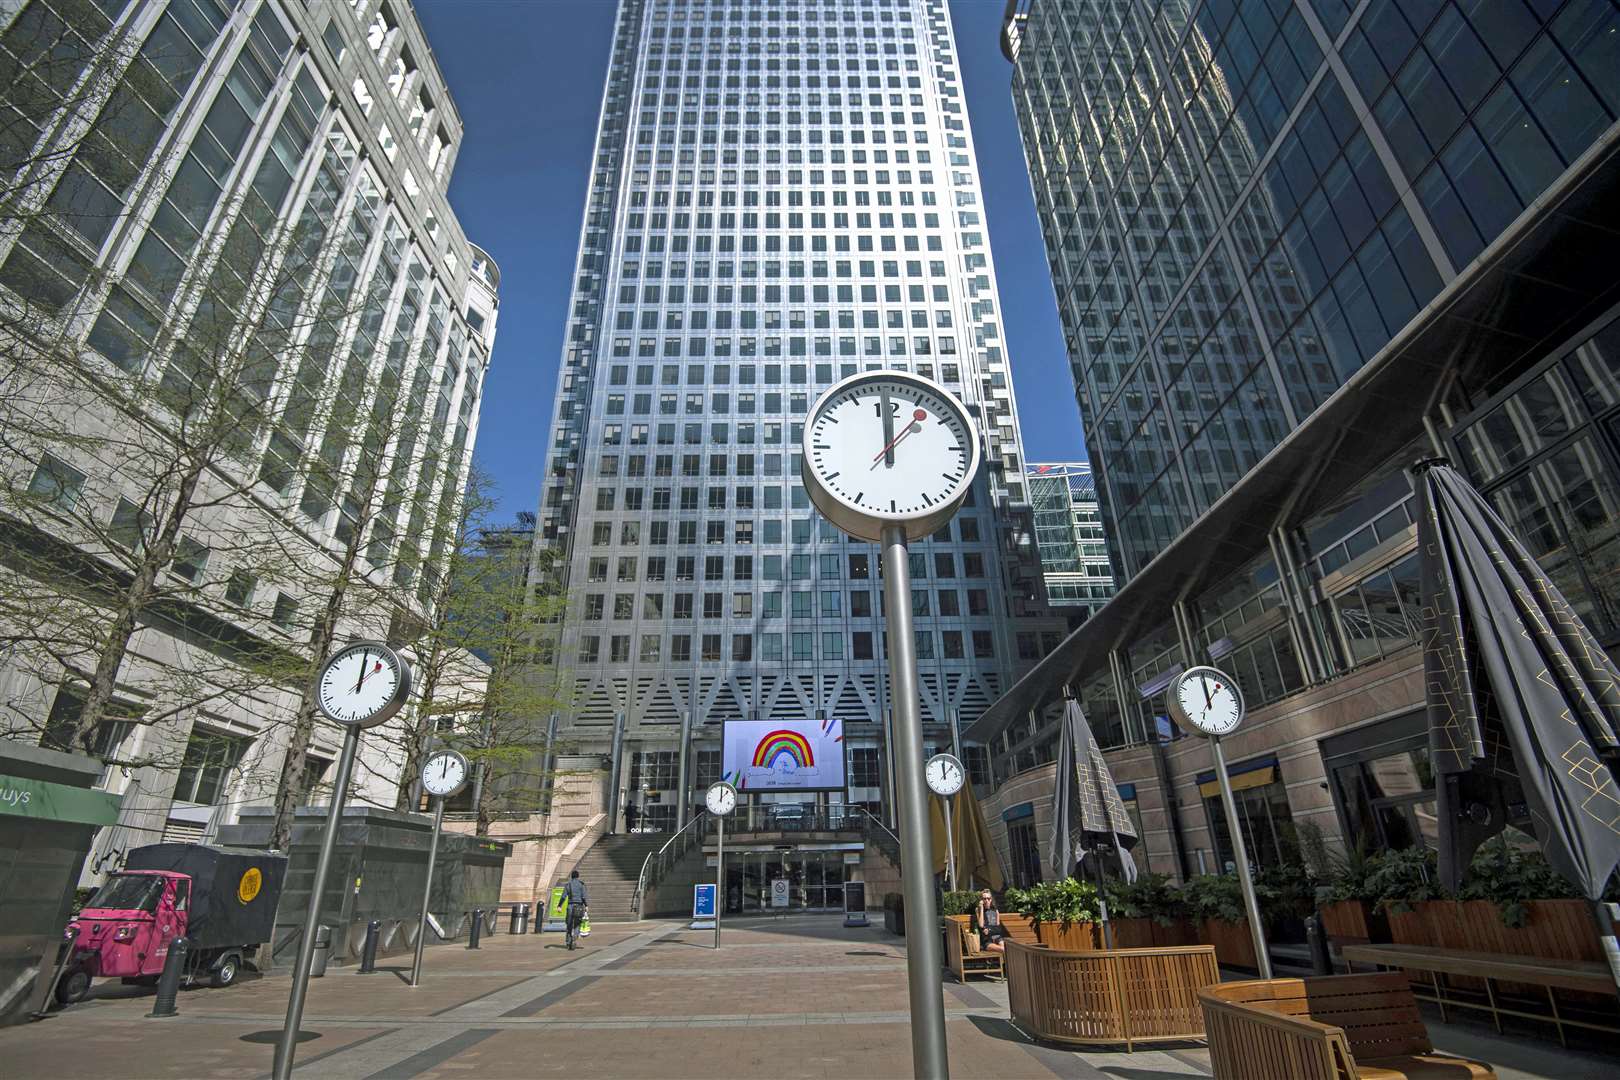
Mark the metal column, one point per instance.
(928, 1057)
(612, 800)
(427, 890)
(684, 805)
(1240, 855)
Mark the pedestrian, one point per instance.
(574, 894)
(987, 923)
(630, 813)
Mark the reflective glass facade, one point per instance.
(784, 193)
(1244, 202)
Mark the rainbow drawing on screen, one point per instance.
(785, 749)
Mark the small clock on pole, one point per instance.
(721, 799)
(444, 774)
(1207, 701)
(890, 456)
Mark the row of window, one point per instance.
(798, 646)
(797, 567)
(802, 606)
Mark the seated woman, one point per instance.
(987, 923)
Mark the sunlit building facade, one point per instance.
(1069, 533)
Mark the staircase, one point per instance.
(610, 870)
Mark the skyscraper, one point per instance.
(235, 290)
(1296, 246)
(783, 193)
(1069, 533)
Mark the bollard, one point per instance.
(323, 951)
(520, 920)
(1316, 941)
(368, 951)
(477, 928)
(168, 988)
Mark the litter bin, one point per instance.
(519, 923)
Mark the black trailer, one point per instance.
(233, 900)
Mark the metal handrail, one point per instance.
(878, 833)
(692, 831)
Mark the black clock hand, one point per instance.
(1209, 702)
(357, 683)
(887, 453)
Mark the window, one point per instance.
(865, 767)
(1268, 825)
(285, 613)
(130, 527)
(56, 484)
(205, 770)
(239, 588)
(190, 560)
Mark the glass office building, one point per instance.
(784, 192)
(1069, 534)
(1295, 245)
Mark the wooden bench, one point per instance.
(1585, 976)
(1336, 1027)
(963, 954)
(1109, 996)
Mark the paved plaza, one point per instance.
(793, 997)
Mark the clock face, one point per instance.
(363, 684)
(889, 447)
(444, 774)
(1206, 701)
(943, 774)
(721, 799)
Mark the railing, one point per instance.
(877, 834)
(660, 862)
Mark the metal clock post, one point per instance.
(360, 686)
(721, 799)
(443, 775)
(889, 457)
(1206, 701)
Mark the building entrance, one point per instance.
(814, 880)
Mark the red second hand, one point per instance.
(369, 674)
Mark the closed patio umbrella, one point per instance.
(1523, 703)
(976, 864)
(1086, 807)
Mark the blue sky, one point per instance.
(527, 78)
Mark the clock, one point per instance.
(1205, 701)
(721, 799)
(444, 774)
(363, 684)
(886, 448)
(944, 774)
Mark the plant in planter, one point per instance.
(1150, 896)
(1216, 902)
(1015, 899)
(960, 902)
(1064, 913)
(1404, 876)
(1511, 879)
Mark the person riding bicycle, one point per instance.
(574, 894)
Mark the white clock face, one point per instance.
(721, 799)
(1209, 701)
(444, 774)
(943, 774)
(891, 446)
(363, 684)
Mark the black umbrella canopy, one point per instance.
(1085, 800)
(1523, 703)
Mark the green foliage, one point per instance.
(1286, 891)
(1399, 878)
(960, 902)
(1150, 896)
(1015, 899)
(1340, 875)
(1508, 877)
(1063, 902)
(1214, 896)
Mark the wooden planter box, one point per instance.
(1104, 996)
(1075, 937)
(1151, 934)
(1234, 945)
(1353, 922)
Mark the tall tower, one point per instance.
(783, 194)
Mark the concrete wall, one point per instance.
(545, 847)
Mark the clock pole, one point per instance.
(950, 844)
(288, 1045)
(928, 1059)
(719, 875)
(427, 890)
(1240, 853)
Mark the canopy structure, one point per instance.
(976, 864)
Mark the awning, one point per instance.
(1022, 810)
(1245, 775)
